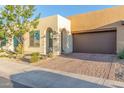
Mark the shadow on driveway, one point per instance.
(44, 79)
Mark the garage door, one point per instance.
(95, 42)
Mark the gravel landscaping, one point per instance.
(97, 65)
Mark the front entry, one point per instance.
(63, 40)
(49, 40)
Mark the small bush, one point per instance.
(19, 49)
(121, 55)
(35, 57)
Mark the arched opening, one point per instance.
(63, 40)
(49, 40)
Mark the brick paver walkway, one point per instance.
(98, 65)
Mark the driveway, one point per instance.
(27, 75)
(97, 65)
(37, 77)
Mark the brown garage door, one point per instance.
(95, 42)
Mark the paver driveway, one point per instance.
(33, 76)
(23, 75)
(98, 65)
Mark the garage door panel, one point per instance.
(97, 42)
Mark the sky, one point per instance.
(67, 10)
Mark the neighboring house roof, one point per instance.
(96, 19)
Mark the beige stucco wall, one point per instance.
(44, 23)
(120, 38)
(55, 23)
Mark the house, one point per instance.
(99, 31)
(55, 36)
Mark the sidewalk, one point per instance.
(44, 78)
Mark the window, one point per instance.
(17, 40)
(35, 38)
(3, 42)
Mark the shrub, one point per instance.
(19, 49)
(35, 57)
(121, 55)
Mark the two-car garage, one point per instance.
(95, 42)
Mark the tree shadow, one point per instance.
(18, 85)
(45, 79)
(6, 83)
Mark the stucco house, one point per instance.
(99, 31)
(53, 34)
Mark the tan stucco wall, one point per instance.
(44, 23)
(55, 23)
(120, 38)
(96, 19)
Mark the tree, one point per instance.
(16, 20)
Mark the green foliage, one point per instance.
(19, 49)
(16, 20)
(3, 42)
(3, 39)
(2, 34)
(121, 54)
(35, 57)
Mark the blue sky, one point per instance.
(66, 10)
